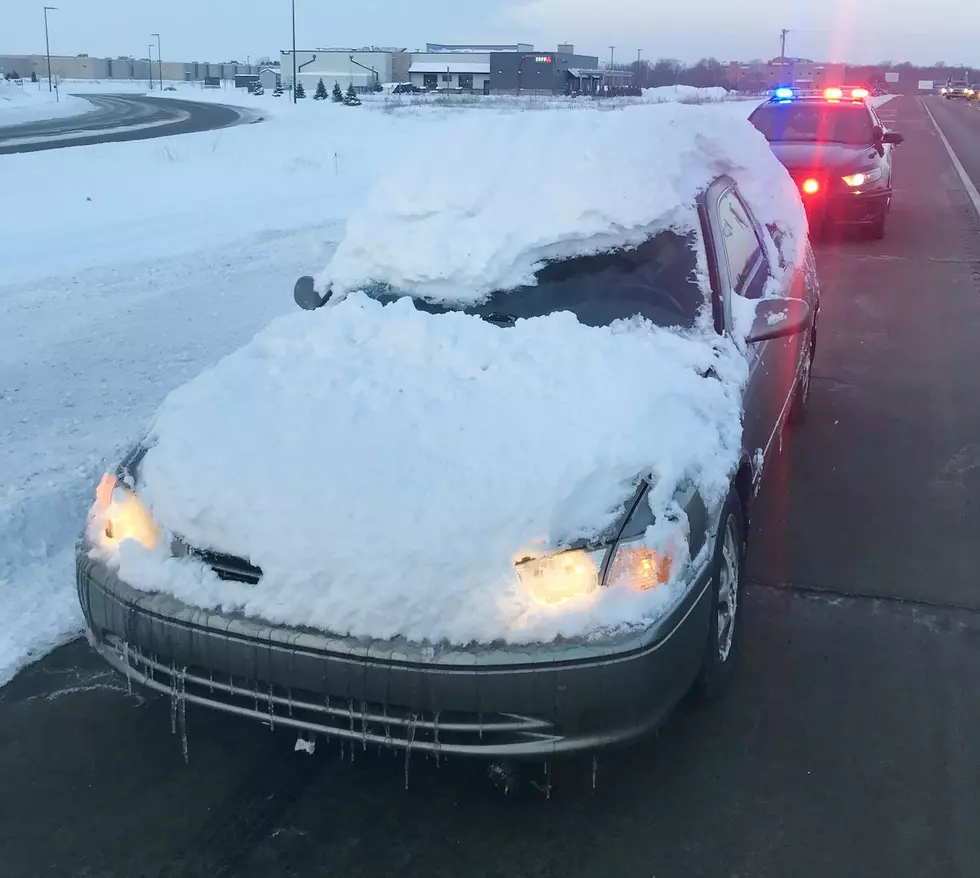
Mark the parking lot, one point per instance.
(848, 745)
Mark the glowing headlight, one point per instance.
(120, 515)
(639, 567)
(863, 177)
(557, 579)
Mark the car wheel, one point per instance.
(727, 588)
(800, 406)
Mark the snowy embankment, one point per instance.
(32, 102)
(161, 258)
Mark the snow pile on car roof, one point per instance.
(385, 466)
(478, 203)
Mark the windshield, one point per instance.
(814, 122)
(657, 281)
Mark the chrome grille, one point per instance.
(385, 725)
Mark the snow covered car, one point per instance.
(489, 492)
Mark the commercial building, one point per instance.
(799, 72)
(123, 67)
(452, 68)
(358, 67)
(562, 72)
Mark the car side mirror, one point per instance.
(306, 296)
(892, 137)
(777, 318)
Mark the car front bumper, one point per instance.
(848, 208)
(508, 703)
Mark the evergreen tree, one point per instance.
(338, 95)
(300, 91)
(377, 85)
(351, 99)
(33, 76)
(321, 91)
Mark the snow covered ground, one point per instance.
(32, 102)
(160, 257)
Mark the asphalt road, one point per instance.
(847, 747)
(121, 117)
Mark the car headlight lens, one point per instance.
(557, 579)
(637, 566)
(863, 177)
(120, 515)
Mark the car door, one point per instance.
(744, 275)
(887, 148)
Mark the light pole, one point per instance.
(294, 51)
(47, 44)
(149, 64)
(612, 54)
(160, 59)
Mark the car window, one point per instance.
(813, 122)
(742, 246)
(657, 280)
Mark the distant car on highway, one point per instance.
(837, 150)
(407, 584)
(959, 89)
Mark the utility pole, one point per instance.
(47, 44)
(638, 55)
(612, 55)
(782, 55)
(294, 51)
(160, 59)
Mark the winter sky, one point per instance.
(217, 30)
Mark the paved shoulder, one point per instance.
(122, 117)
(959, 122)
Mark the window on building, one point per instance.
(447, 78)
(430, 80)
(466, 80)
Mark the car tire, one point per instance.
(727, 588)
(800, 406)
(875, 230)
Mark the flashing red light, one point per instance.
(859, 94)
(810, 186)
(833, 94)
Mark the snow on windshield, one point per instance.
(482, 200)
(385, 467)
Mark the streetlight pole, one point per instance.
(149, 63)
(294, 51)
(47, 44)
(612, 54)
(160, 59)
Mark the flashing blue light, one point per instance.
(784, 94)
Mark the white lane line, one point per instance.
(971, 190)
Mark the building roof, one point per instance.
(581, 72)
(450, 67)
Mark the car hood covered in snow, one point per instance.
(385, 467)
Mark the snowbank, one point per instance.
(549, 185)
(686, 93)
(32, 102)
(385, 466)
